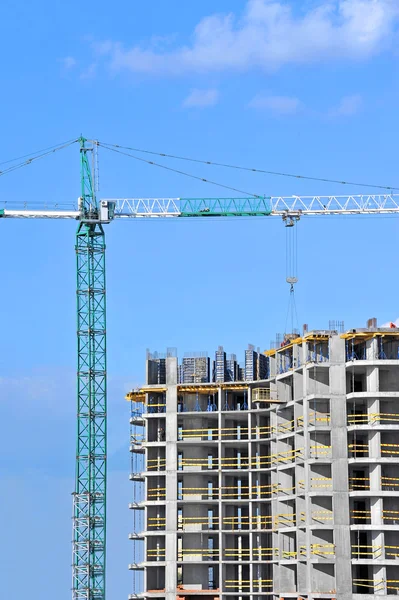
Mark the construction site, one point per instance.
(277, 478)
(270, 473)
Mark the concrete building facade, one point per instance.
(285, 487)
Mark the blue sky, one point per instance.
(307, 87)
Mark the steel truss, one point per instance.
(89, 505)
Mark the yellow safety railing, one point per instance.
(156, 493)
(242, 462)
(300, 422)
(215, 462)
(259, 521)
(261, 462)
(156, 553)
(156, 464)
(390, 483)
(391, 551)
(316, 418)
(325, 482)
(287, 456)
(322, 549)
(390, 515)
(377, 585)
(208, 434)
(286, 427)
(260, 553)
(355, 449)
(156, 522)
(226, 492)
(204, 433)
(267, 490)
(277, 489)
(151, 406)
(235, 492)
(286, 519)
(322, 515)
(359, 483)
(313, 420)
(245, 584)
(388, 448)
(208, 552)
(372, 418)
(265, 431)
(262, 584)
(361, 515)
(376, 552)
(359, 419)
(206, 520)
(245, 553)
(211, 493)
(320, 450)
(361, 551)
(233, 553)
(264, 522)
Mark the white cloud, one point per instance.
(348, 106)
(49, 389)
(282, 105)
(68, 62)
(268, 35)
(201, 98)
(89, 72)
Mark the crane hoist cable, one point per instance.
(291, 257)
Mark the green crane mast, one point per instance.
(90, 495)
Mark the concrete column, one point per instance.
(339, 443)
(375, 477)
(376, 511)
(374, 444)
(372, 379)
(306, 453)
(221, 483)
(380, 575)
(372, 349)
(171, 482)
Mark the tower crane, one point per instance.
(89, 496)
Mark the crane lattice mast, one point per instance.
(89, 497)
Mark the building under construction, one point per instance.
(279, 482)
